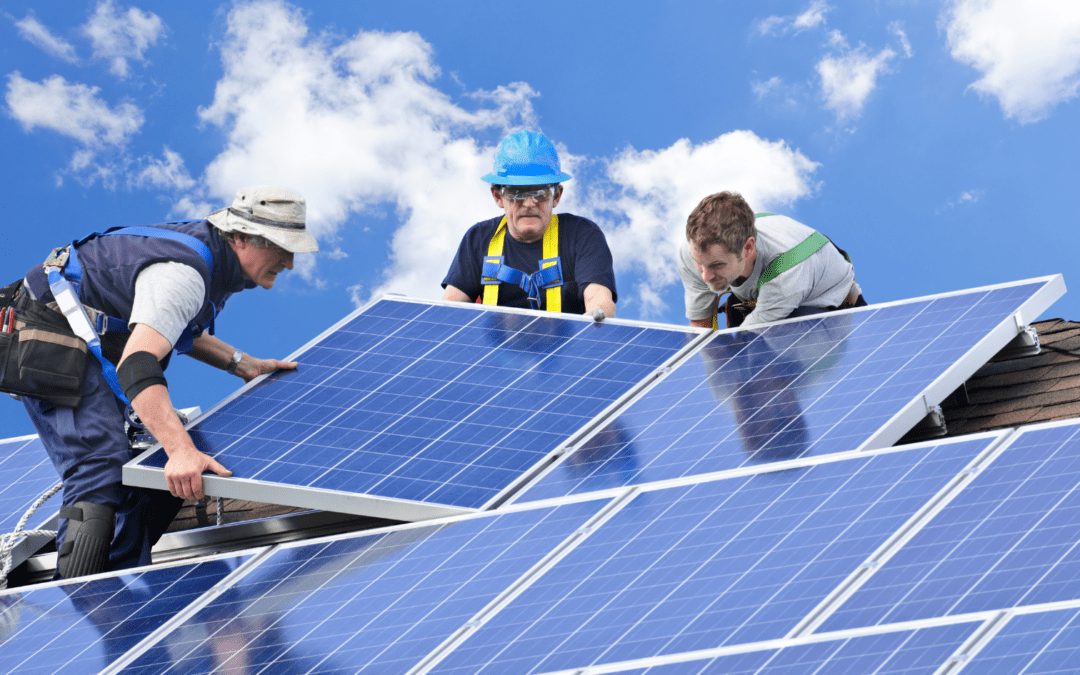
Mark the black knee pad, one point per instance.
(89, 535)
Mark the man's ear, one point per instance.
(558, 195)
(748, 247)
(497, 194)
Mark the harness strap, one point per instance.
(547, 278)
(111, 324)
(73, 310)
(793, 257)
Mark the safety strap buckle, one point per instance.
(57, 260)
(490, 272)
(549, 275)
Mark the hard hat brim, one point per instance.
(544, 179)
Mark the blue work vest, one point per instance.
(111, 264)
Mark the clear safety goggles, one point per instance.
(539, 195)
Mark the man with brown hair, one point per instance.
(773, 266)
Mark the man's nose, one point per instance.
(288, 259)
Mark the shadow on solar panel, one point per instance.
(411, 410)
(843, 381)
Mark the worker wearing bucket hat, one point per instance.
(530, 257)
(133, 295)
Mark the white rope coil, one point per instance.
(11, 539)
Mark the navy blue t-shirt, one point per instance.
(583, 252)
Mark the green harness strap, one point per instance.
(789, 259)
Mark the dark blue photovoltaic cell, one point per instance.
(378, 603)
(82, 627)
(1033, 644)
(726, 562)
(1010, 538)
(26, 474)
(803, 388)
(909, 652)
(430, 403)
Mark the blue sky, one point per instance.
(934, 141)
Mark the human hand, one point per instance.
(183, 472)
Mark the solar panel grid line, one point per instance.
(508, 595)
(596, 425)
(959, 543)
(977, 625)
(1016, 545)
(974, 644)
(546, 561)
(652, 424)
(976, 357)
(28, 475)
(649, 569)
(945, 384)
(1025, 639)
(972, 559)
(79, 607)
(905, 533)
(694, 349)
(258, 556)
(252, 489)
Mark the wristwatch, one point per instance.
(234, 362)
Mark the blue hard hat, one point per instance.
(526, 158)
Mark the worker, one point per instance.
(559, 263)
(150, 289)
(773, 266)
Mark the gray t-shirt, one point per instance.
(822, 280)
(168, 295)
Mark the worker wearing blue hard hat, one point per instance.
(558, 263)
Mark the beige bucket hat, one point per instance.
(270, 212)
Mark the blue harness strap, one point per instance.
(111, 324)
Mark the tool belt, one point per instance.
(40, 356)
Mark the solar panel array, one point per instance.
(413, 410)
(745, 556)
(27, 475)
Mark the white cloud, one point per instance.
(653, 191)
(762, 89)
(34, 32)
(168, 172)
(812, 17)
(72, 110)
(119, 36)
(355, 123)
(848, 80)
(897, 29)
(1028, 51)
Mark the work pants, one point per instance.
(89, 447)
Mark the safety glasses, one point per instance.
(520, 195)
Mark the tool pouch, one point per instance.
(39, 354)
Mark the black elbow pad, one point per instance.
(139, 371)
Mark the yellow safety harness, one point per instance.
(547, 278)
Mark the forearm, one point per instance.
(217, 353)
(597, 296)
(154, 408)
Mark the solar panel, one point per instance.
(730, 561)
(919, 651)
(842, 381)
(83, 626)
(373, 603)
(1010, 538)
(1038, 643)
(412, 410)
(27, 474)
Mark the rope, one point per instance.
(8, 541)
